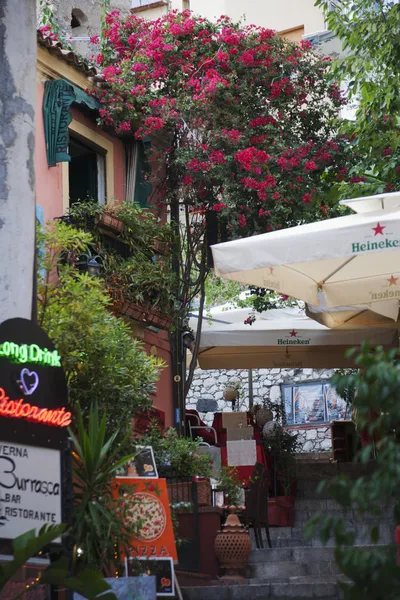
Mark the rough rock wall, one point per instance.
(88, 13)
(206, 396)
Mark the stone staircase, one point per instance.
(297, 568)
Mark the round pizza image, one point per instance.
(151, 513)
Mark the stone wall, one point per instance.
(206, 396)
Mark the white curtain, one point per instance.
(131, 167)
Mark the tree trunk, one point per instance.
(17, 145)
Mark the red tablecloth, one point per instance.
(245, 472)
(221, 431)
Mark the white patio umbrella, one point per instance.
(351, 263)
(280, 338)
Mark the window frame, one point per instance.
(102, 146)
(293, 387)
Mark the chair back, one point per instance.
(252, 496)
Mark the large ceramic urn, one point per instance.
(232, 548)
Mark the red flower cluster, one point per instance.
(240, 103)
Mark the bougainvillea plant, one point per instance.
(247, 115)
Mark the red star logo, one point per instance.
(392, 280)
(293, 333)
(378, 229)
(271, 270)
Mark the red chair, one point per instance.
(197, 428)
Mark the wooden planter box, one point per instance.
(111, 223)
(281, 511)
(146, 314)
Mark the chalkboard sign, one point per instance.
(161, 568)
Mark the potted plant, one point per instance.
(282, 446)
(179, 461)
(109, 219)
(142, 288)
(230, 484)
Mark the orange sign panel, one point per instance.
(150, 506)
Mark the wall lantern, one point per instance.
(90, 264)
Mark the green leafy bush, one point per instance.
(103, 364)
(177, 455)
(373, 572)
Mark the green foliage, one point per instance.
(229, 482)
(282, 445)
(136, 268)
(369, 69)
(89, 583)
(262, 299)
(103, 364)
(178, 455)
(101, 528)
(373, 573)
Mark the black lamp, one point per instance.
(188, 339)
(93, 267)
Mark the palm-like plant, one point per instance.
(101, 528)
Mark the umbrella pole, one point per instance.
(250, 377)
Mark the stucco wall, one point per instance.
(49, 192)
(206, 396)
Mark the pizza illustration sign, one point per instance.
(150, 506)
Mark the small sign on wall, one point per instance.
(30, 488)
(142, 464)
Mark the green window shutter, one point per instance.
(143, 187)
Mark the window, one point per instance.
(78, 18)
(87, 172)
(312, 403)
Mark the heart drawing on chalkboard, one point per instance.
(29, 381)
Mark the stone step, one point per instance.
(318, 563)
(265, 591)
(349, 516)
(286, 537)
(277, 570)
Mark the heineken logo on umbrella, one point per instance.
(293, 339)
(391, 289)
(380, 240)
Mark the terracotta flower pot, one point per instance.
(232, 547)
(111, 222)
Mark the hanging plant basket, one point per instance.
(110, 222)
(146, 314)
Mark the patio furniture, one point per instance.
(197, 428)
(256, 514)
